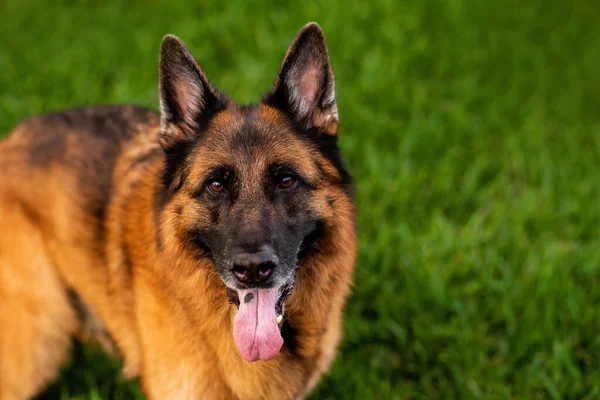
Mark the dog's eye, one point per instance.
(216, 186)
(287, 181)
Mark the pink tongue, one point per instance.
(255, 328)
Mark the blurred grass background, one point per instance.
(473, 131)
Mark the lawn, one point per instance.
(473, 131)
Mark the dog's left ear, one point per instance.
(304, 86)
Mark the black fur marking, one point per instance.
(248, 136)
(32, 214)
(173, 175)
(312, 241)
(127, 261)
(233, 297)
(290, 338)
(197, 238)
(77, 305)
(159, 202)
(157, 152)
(248, 298)
(214, 215)
(293, 208)
(330, 201)
(125, 251)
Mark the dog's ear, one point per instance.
(304, 86)
(187, 98)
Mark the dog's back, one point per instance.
(57, 182)
(63, 162)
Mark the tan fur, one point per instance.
(166, 310)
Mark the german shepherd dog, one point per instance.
(212, 244)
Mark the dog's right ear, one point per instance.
(186, 96)
(305, 86)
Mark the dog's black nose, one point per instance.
(254, 267)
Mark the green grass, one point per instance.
(473, 131)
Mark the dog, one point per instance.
(211, 244)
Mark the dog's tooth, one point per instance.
(279, 319)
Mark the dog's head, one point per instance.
(252, 187)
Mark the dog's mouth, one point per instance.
(256, 326)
